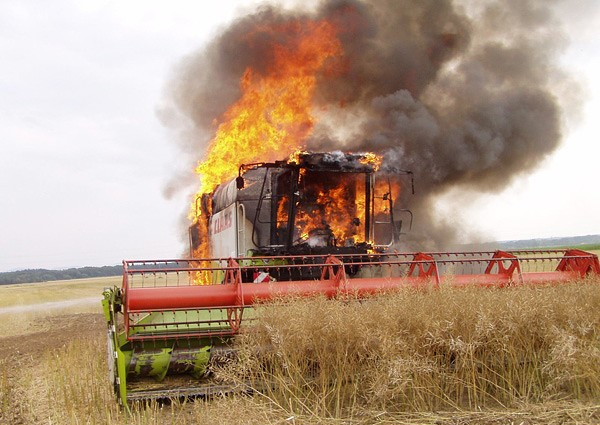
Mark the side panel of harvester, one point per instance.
(223, 227)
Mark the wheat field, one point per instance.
(518, 355)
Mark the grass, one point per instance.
(60, 290)
(518, 355)
(591, 248)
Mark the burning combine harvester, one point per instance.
(320, 223)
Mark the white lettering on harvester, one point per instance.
(222, 222)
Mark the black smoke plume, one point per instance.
(460, 93)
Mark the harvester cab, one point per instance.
(313, 204)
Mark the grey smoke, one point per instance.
(461, 93)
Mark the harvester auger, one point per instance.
(319, 224)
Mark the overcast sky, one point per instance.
(85, 160)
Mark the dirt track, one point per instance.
(49, 305)
(54, 332)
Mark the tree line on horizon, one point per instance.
(44, 275)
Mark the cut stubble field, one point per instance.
(449, 356)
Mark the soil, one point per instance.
(54, 332)
(25, 351)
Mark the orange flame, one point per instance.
(273, 116)
(370, 158)
(333, 208)
(331, 211)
